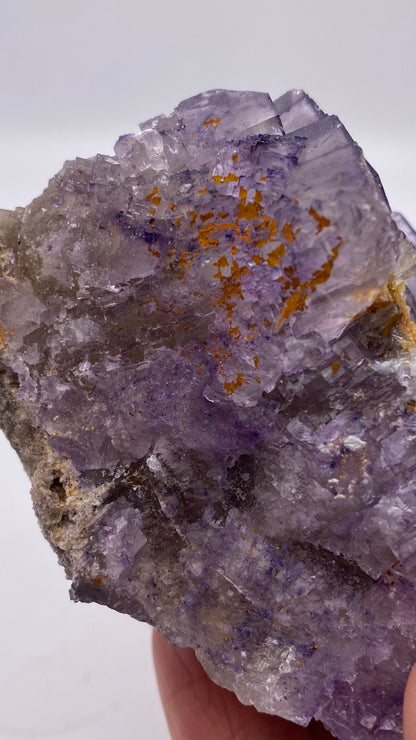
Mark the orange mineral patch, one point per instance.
(151, 195)
(320, 220)
(221, 262)
(287, 231)
(207, 233)
(231, 287)
(406, 325)
(206, 216)
(231, 177)
(235, 332)
(232, 385)
(273, 258)
(252, 209)
(3, 343)
(296, 300)
(212, 122)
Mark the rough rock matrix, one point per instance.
(208, 368)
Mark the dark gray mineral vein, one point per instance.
(208, 369)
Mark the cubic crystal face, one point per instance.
(208, 369)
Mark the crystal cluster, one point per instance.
(207, 366)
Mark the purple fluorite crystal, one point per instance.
(208, 368)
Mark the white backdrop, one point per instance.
(74, 75)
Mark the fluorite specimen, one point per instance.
(208, 370)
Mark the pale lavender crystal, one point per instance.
(208, 368)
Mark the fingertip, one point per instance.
(409, 707)
(184, 689)
(160, 648)
(196, 707)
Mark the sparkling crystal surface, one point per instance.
(207, 366)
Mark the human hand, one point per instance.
(409, 709)
(195, 707)
(198, 709)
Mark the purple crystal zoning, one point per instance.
(208, 369)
